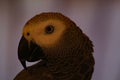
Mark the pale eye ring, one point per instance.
(49, 29)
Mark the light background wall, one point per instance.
(99, 19)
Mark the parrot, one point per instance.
(61, 50)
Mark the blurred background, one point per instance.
(99, 19)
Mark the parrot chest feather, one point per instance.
(70, 67)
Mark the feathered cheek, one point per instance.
(44, 41)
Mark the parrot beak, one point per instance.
(29, 51)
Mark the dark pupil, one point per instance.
(49, 29)
(28, 33)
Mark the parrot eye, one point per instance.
(27, 33)
(49, 29)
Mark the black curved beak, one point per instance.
(29, 51)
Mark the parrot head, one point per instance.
(42, 32)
